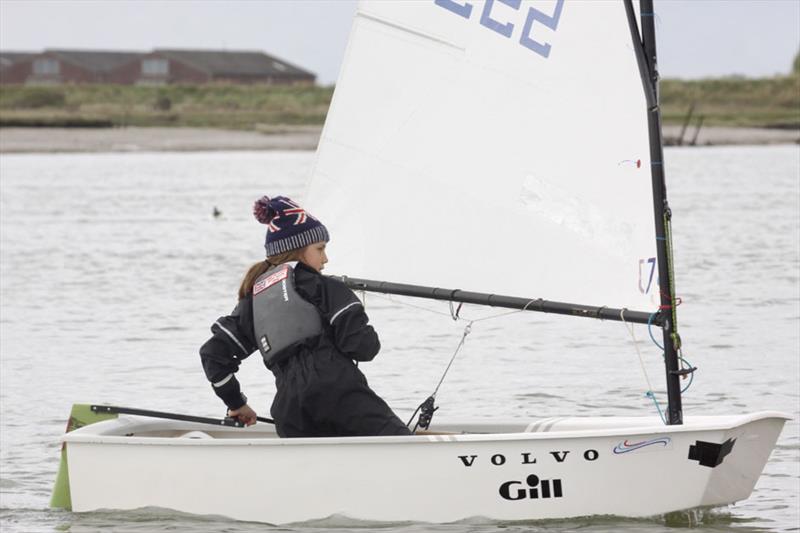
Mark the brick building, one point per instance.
(160, 66)
(65, 66)
(7, 59)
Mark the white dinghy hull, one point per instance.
(553, 468)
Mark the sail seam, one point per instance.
(406, 29)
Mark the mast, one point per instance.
(648, 65)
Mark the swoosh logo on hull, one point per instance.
(626, 446)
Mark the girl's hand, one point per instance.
(244, 414)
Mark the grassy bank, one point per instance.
(767, 102)
(231, 106)
(771, 102)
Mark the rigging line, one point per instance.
(427, 408)
(499, 315)
(691, 375)
(638, 351)
(421, 307)
(503, 314)
(658, 407)
(467, 331)
(453, 314)
(681, 359)
(650, 331)
(650, 394)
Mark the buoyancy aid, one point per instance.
(281, 317)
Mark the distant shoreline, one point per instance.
(155, 139)
(171, 139)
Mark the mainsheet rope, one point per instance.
(427, 407)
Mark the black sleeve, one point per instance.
(231, 341)
(352, 334)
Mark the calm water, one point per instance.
(113, 269)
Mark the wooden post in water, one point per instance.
(686, 122)
(697, 130)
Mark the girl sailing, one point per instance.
(310, 330)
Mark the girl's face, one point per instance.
(314, 256)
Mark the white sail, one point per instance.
(491, 148)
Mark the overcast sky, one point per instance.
(696, 38)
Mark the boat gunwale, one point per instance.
(91, 435)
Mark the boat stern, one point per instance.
(81, 415)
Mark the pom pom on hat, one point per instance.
(263, 212)
(290, 227)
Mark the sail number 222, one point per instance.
(505, 28)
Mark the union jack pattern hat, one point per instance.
(289, 226)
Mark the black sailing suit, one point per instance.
(320, 390)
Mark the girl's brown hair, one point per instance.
(261, 267)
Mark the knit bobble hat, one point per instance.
(289, 226)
